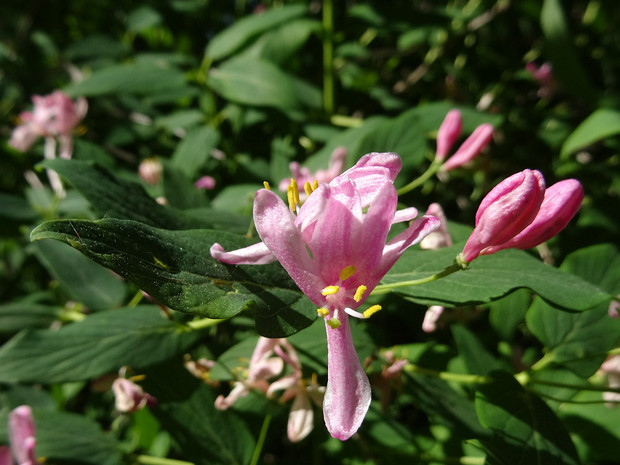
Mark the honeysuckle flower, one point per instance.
(614, 308)
(435, 240)
(303, 175)
(449, 132)
(505, 212)
(22, 435)
(264, 365)
(335, 250)
(5, 456)
(151, 170)
(543, 74)
(129, 397)
(611, 368)
(53, 115)
(520, 213)
(205, 182)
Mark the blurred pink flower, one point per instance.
(611, 368)
(449, 132)
(22, 436)
(54, 115)
(543, 74)
(130, 397)
(335, 250)
(520, 213)
(205, 182)
(150, 170)
(303, 175)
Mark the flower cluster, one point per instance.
(521, 213)
(267, 362)
(335, 250)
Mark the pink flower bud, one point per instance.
(205, 182)
(150, 170)
(470, 149)
(441, 236)
(21, 434)
(130, 397)
(448, 133)
(560, 204)
(505, 211)
(614, 308)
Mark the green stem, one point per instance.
(346, 121)
(453, 460)
(149, 460)
(434, 168)
(447, 376)
(204, 323)
(577, 387)
(136, 299)
(261, 440)
(385, 288)
(328, 56)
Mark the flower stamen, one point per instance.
(334, 322)
(346, 272)
(322, 312)
(359, 293)
(267, 186)
(371, 311)
(330, 290)
(308, 188)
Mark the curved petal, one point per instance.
(256, 254)
(276, 227)
(348, 394)
(300, 419)
(417, 231)
(406, 214)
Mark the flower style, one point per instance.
(54, 115)
(335, 250)
(449, 132)
(130, 397)
(302, 175)
(521, 213)
(22, 436)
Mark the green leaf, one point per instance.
(245, 29)
(69, 438)
(136, 78)
(284, 42)
(477, 358)
(194, 150)
(186, 410)
(489, 278)
(84, 280)
(525, 431)
(102, 343)
(560, 48)
(601, 124)
(505, 315)
(580, 341)
(255, 82)
(118, 198)
(175, 268)
(16, 208)
(16, 316)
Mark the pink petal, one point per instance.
(21, 434)
(276, 227)
(406, 214)
(417, 231)
(238, 391)
(257, 254)
(300, 419)
(448, 133)
(430, 318)
(441, 237)
(348, 394)
(205, 182)
(6, 457)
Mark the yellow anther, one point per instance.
(308, 188)
(370, 311)
(291, 198)
(346, 272)
(295, 191)
(330, 290)
(267, 186)
(322, 312)
(359, 293)
(315, 185)
(333, 323)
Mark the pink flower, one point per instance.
(303, 175)
(544, 75)
(614, 308)
(520, 213)
(130, 397)
(6, 457)
(22, 435)
(54, 115)
(449, 132)
(264, 365)
(150, 170)
(335, 250)
(611, 367)
(205, 182)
